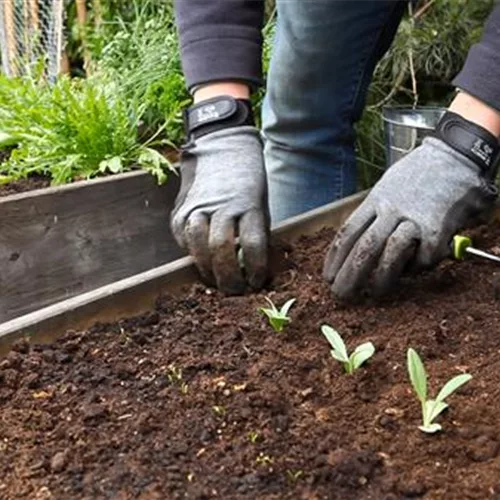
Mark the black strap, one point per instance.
(472, 140)
(216, 114)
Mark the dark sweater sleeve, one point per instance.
(480, 77)
(220, 40)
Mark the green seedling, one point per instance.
(294, 475)
(431, 408)
(253, 437)
(219, 410)
(174, 376)
(264, 459)
(339, 352)
(278, 318)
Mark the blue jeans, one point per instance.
(323, 59)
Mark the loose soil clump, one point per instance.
(200, 398)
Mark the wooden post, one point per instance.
(27, 34)
(34, 16)
(59, 13)
(97, 8)
(10, 37)
(32, 28)
(81, 15)
(65, 63)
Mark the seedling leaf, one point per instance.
(361, 354)
(278, 323)
(431, 408)
(430, 429)
(286, 307)
(452, 385)
(339, 351)
(277, 318)
(271, 303)
(417, 374)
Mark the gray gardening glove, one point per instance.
(409, 218)
(223, 195)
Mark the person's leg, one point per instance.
(324, 55)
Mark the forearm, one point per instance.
(477, 111)
(480, 75)
(220, 41)
(234, 89)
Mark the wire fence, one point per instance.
(31, 32)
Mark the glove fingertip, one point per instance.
(254, 241)
(328, 270)
(177, 229)
(342, 294)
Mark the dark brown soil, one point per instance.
(23, 185)
(201, 399)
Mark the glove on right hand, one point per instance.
(223, 195)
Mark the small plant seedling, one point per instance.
(263, 459)
(431, 408)
(253, 437)
(339, 352)
(294, 475)
(278, 318)
(174, 374)
(219, 410)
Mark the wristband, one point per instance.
(473, 141)
(216, 114)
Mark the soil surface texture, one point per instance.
(23, 185)
(201, 399)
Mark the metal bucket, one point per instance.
(406, 127)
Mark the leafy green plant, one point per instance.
(76, 129)
(141, 53)
(278, 318)
(339, 351)
(431, 408)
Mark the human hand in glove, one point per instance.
(223, 195)
(411, 215)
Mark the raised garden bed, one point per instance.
(199, 398)
(59, 242)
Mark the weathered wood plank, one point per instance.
(59, 242)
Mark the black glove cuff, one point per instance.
(216, 114)
(471, 140)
